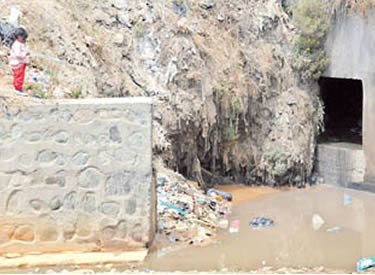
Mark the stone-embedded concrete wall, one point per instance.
(350, 46)
(76, 175)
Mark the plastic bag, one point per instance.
(365, 263)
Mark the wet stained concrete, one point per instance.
(292, 241)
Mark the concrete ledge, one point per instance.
(368, 187)
(72, 258)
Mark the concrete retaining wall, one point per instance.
(76, 175)
(341, 164)
(350, 47)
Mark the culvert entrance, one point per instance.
(340, 157)
(343, 101)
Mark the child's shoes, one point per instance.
(22, 93)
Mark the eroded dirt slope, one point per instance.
(228, 106)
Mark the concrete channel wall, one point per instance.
(341, 164)
(350, 46)
(76, 175)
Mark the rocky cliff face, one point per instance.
(228, 104)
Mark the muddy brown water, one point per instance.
(292, 241)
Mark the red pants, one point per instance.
(19, 77)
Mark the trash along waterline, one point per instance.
(343, 237)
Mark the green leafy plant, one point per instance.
(223, 86)
(36, 90)
(229, 133)
(76, 92)
(310, 59)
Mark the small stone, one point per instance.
(137, 233)
(80, 158)
(131, 207)
(110, 208)
(118, 184)
(69, 231)
(36, 204)
(34, 137)
(90, 178)
(58, 180)
(109, 233)
(114, 134)
(24, 233)
(17, 131)
(70, 200)
(55, 203)
(47, 156)
(88, 202)
(118, 39)
(122, 230)
(61, 137)
(207, 4)
(3, 130)
(48, 233)
(66, 115)
(6, 231)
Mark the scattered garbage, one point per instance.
(173, 239)
(261, 222)
(365, 263)
(14, 17)
(180, 8)
(334, 229)
(6, 32)
(38, 83)
(223, 223)
(317, 222)
(186, 214)
(347, 199)
(220, 195)
(171, 206)
(235, 226)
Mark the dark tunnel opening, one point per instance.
(343, 101)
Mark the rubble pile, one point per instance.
(186, 214)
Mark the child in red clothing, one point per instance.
(18, 59)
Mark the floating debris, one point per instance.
(347, 199)
(365, 263)
(261, 222)
(317, 222)
(334, 229)
(235, 226)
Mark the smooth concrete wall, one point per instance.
(341, 164)
(76, 175)
(350, 46)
